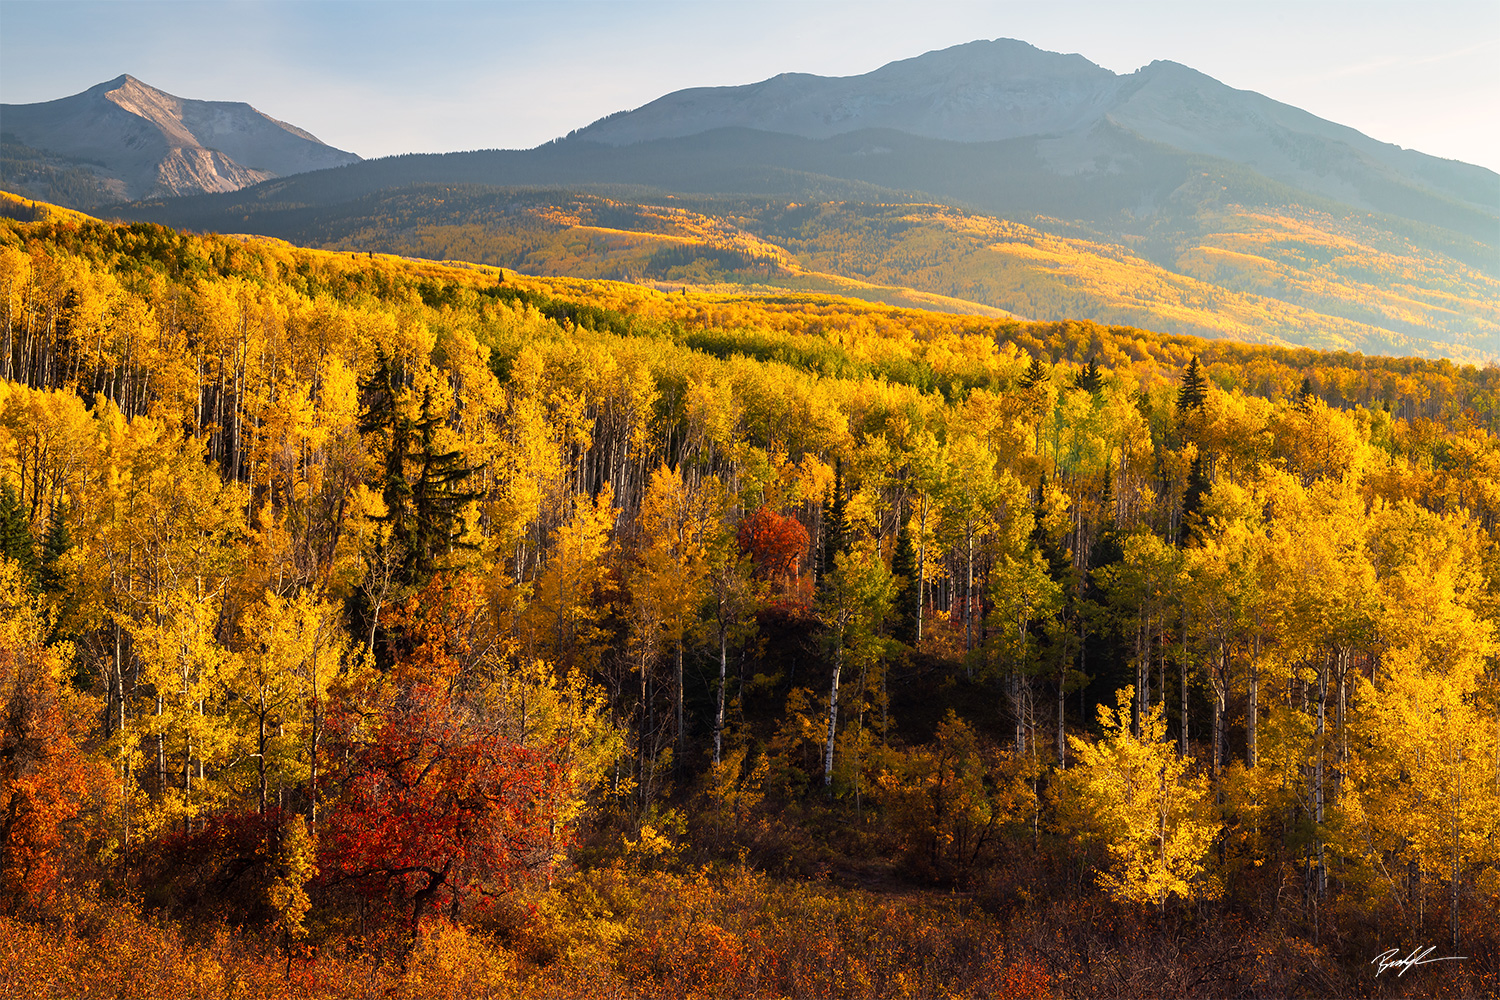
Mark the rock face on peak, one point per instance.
(124, 140)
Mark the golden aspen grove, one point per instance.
(371, 626)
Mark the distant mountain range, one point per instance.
(1071, 111)
(124, 140)
(1160, 198)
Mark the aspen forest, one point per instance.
(372, 626)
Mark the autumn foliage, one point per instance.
(46, 777)
(775, 542)
(375, 626)
(431, 805)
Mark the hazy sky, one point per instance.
(393, 77)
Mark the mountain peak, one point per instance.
(983, 90)
(138, 141)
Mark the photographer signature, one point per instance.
(1392, 959)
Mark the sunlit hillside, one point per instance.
(1309, 278)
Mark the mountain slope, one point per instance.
(137, 142)
(1232, 214)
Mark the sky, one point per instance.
(379, 78)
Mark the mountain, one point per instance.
(1160, 198)
(990, 91)
(979, 92)
(124, 140)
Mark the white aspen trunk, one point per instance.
(312, 754)
(723, 675)
(833, 712)
(1182, 737)
(1062, 683)
(921, 571)
(969, 601)
(1221, 683)
(1318, 770)
(1254, 711)
(645, 784)
(261, 751)
(1458, 783)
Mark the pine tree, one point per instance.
(1305, 394)
(1035, 374)
(437, 526)
(425, 514)
(15, 534)
(57, 544)
(1193, 391)
(1192, 500)
(909, 592)
(835, 524)
(1089, 378)
(1107, 518)
(381, 395)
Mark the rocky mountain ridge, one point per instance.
(990, 91)
(127, 140)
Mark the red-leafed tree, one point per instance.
(44, 774)
(775, 543)
(434, 804)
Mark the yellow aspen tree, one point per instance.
(564, 618)
(291, 648)
(853, 603)
(669, 574)
(1143, 801)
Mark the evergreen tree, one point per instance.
(1035, 374)
(1193, 391)
(1107, 502)
(54, 547)
(15, 534)
(835, 524)
(381, 395)
(437, 526)
(1103, 653)
(424, 512)
(1305, 394)
(1090, 379)
(1192, 500)
(909, 592)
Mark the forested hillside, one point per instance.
(380, 626)
(1310, 274)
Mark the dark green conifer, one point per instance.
(1035, 374)
(1089, 378)
(835, 523)
(16, 543)
(1193, 390)
(1192, 500)
(54, 547)
(1305, 394)
(437, 499)
(909, 596)
(424, 512)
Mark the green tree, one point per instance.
(16, 543)
(1192, 392)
